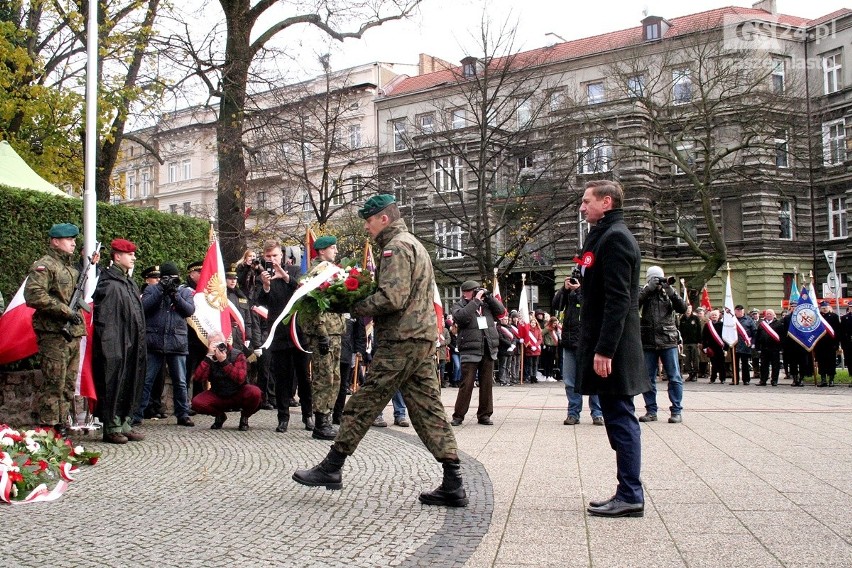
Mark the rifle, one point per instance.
(78, 298)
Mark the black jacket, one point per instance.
(275, 300)
(570, 302)
(690, 329)
(474, 343)
(165, 319)
(658, 305)
(610, 310)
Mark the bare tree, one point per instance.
(701, 129)
(227, 73)
(496, 185)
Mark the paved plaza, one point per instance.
(754, 477)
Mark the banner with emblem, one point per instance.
(806, 326)
(213, 310)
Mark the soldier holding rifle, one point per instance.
(58, 324)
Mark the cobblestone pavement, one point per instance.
(755, 476)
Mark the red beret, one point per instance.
(122, 245)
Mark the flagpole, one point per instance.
(523, 342)
(90, 228)
(811, 353)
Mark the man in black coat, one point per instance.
(118, 348)
(609, 354)
(478, 342)
(278, 282)
(825, 349)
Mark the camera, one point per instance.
(222, 347)
(268, 267)
(170, 283)
(666, 281)
(573, 281)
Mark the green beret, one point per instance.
(63, 231)
(325, 242)
(375, 204)
(469, 285)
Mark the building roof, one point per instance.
(682, 25)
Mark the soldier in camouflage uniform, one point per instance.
(405, 326)
(323, 338)
(49, 288)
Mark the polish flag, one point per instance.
(729, 320)
(213, 310)
(85, 383)
(17, 336)
(497, 295)
(439, 308)
(524, 318)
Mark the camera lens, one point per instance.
(221, 347)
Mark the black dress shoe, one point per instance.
(486, 421)
(616, 508)
(282, 425)
(457, 422)
(185, 421)
(601, 502)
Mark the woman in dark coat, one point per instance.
(610, 358)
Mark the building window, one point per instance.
(636, 86)
(687, 225)
(448, 173)
(448, 240)
(187, 208)
(426, 122)
(131, 186)
(262, 199)
(450, 295)
(837, 218)
(354, 136)
(681, 86)
(685, 155)
(306, 200)
(785, 220)
(173, 208)
(557, 100)
(145, 189)
(778, 82)
(398, 190)
(469, 69)
(831, 70)
(356, 182)
(593, 155)
(337, 197)
(582, 230)
(781, 156)
(457, 118)
(652, 31)
(186, 169)
(595, 93)
(524, 113)
(173, 169)
(834, 142)
(398, 128)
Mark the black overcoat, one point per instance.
(119, 351)
(609, 315)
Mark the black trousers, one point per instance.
(770, 359)
(625, 437)
(286, 366)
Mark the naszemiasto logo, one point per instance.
(769, 33)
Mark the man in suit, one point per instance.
(610, 359)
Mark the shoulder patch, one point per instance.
(387, 253)
(40, 268)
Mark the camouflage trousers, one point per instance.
(325, 374)
(410, 368)
(60, 360)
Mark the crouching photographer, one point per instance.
(658, 303)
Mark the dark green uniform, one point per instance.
(49, 288)
(325, 369)
(406, 330)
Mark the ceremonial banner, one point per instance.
(213, 310)
(17, 336)
(806, 325)
(729, 320)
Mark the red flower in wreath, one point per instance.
(324, 285)
(351, 284)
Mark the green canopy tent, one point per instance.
(14, 172)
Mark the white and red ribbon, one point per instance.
(715, 335)
(769, 331)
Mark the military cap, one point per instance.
(122, 245)
(754, 311)
(375, 204)
(194, 265)
(151, 272)
(824, 304)
(169, 269)
(324, 242)
(739, 307)
(231, 274)
(469, 285)
(63, 231)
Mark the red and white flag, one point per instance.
(85, 383)
(498, 296)
(524, 318)
(213, 310)
(439, 308)
(17, 336)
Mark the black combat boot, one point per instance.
(323, 428)
(309, 423)
(451, 491)
(283, 423)
(327, 473)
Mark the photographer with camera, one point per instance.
(248, 272)
(167, 305)
(658, 303)
(478, 343)
(226, 369)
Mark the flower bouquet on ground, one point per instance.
(337, 293)
(37, 465)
